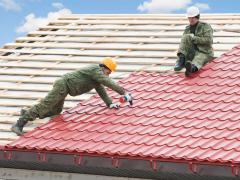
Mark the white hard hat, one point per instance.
(192, 11)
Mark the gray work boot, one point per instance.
(180, 63)
(190, 68)
(18, 127)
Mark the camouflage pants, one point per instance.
(186, 47)
(51, 105)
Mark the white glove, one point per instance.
(191, 35)
(114, 105)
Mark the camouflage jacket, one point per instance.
(88, 78)
(203, 37)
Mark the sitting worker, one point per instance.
(74, 83)
(195, 49)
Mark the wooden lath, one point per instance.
(88, 60)
(124, 34)
(160, 54)
(140, 22)
(134, 47)
(147, 40)
(212, 16)
(138, 28)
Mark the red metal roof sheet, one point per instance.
(173, 117)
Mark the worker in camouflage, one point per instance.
(195, 49)
(75, 83)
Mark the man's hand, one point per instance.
(114, 105)
(191, 35)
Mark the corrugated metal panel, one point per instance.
(173, 117)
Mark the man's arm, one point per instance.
(103, 94)
(207, 37)
(108, 82)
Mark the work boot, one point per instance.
(190, 68)
(18, 127)
(180, 63)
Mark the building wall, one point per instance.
(21, 174)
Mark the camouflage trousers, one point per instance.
(51, 105)
(189, 49)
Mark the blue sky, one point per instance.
(21, 16)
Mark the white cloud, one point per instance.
(58, 5)
(10, 5)
(32, 22)
(202, 6)
(163, 6)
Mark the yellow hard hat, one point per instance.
(110, 63)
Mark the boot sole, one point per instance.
(178, 69)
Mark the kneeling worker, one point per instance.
(75, 83)
(195, 49)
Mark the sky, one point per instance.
(18, 17)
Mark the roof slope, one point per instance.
(138, 42)
(173, 118)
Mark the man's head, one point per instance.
(108, 65)
(193, 15)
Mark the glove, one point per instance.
(191, 35)
(114, 105)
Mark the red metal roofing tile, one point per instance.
(233, 52)
(173, 117)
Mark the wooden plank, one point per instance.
(124, 34)
(37, 95)
(116, 27)
(52, 59)
(35, 80)
(7, 119)
(67, 60)
(149, 16)
(27, 79)
(105, 33)
(31, 87)
(147, 40)
(29, 103)
(7, 136)
(53, 73)
(144, 47)
(31, 72)
(4, 142)
(124, 68)
(133, 54)
(7, 127)
(25, 87)
(159, 69)
(142, 54)
(179, 21)
(12, 110)
(137, 47)
(9, 110)
(129, 28)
